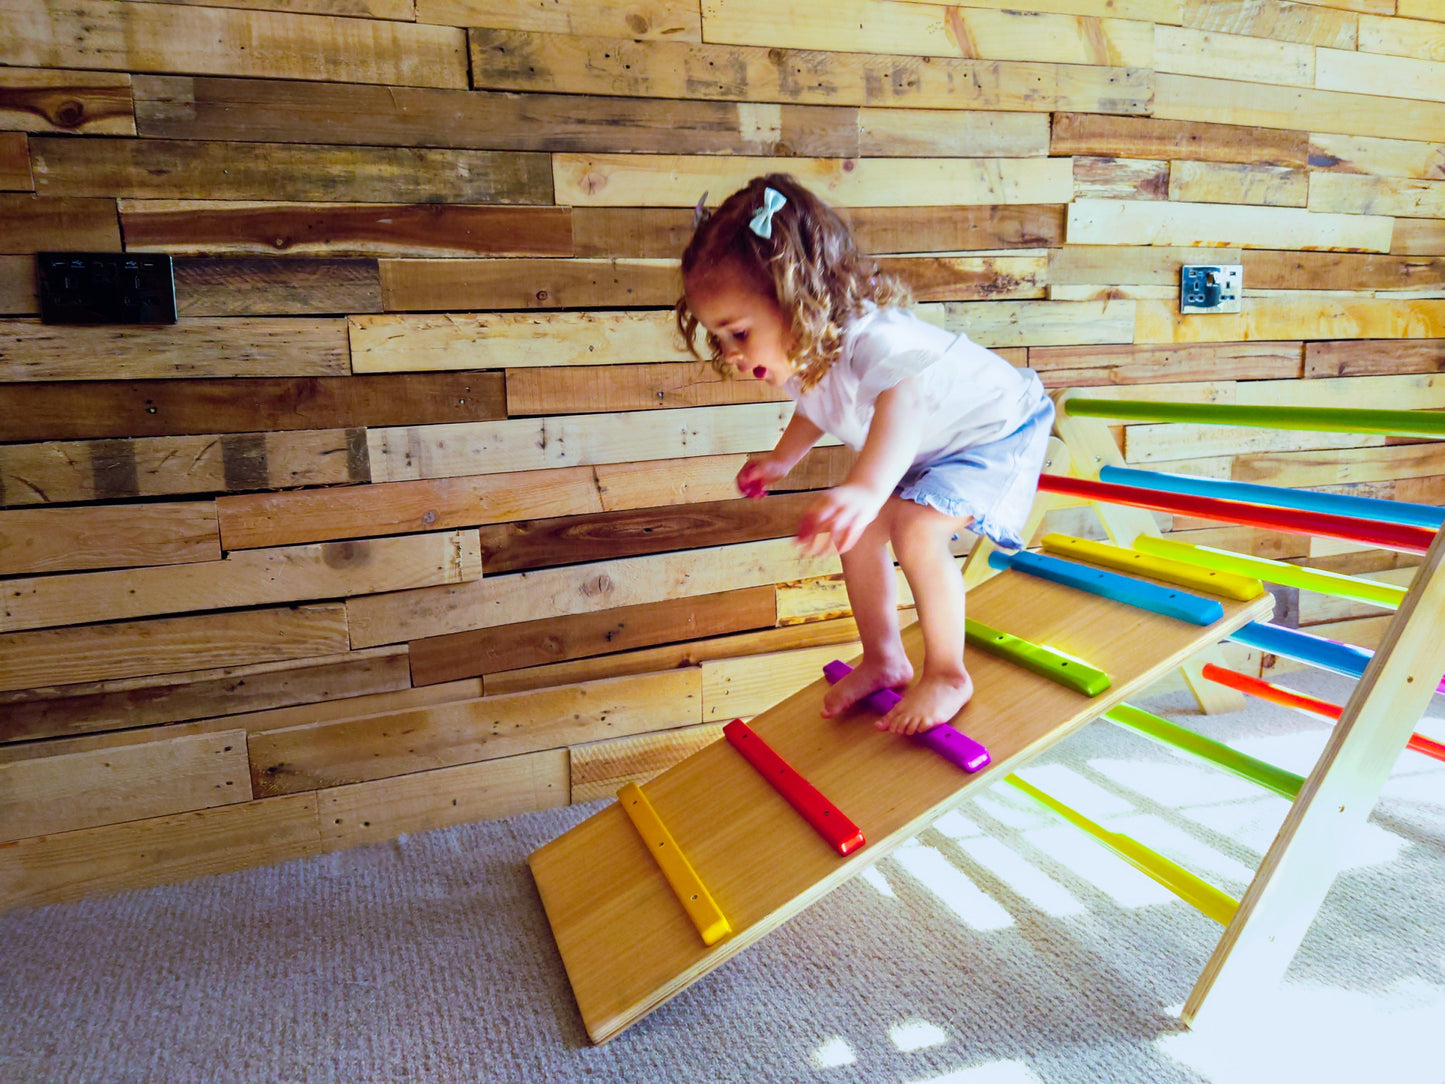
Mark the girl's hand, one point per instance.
(839, 515)
(758, 474)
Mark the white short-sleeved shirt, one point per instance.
(969, 394)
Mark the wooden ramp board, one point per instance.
(626, 941)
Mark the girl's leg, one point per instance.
(873, 594)
(920, 538)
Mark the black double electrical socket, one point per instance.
(105, 288)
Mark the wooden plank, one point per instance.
(441, 451)
(719, 810)
(163, 850)
(1078, 366)
(137, 37)
(403, 699)
(930, 30)
(970, 278)
(1406, 197)
(271, 519)
(1361, 749)
(32, 224)
(1078, 264)
(371, 9)
(15, 163)
(1190, 97)
(1157, 11)
(1042, 323)
(19, 295)
(1282, 20)
(1115, 178)
(526, 544)
(145, 408)
(414, 342)
(573, 64)
(267, 287)
(1278, 318)
(737, 688)
(36, 540)
(1159, 444)
(1392, 391)
(1338, 271)
(630, 180)
(1153, 138)
(1364, 357)
(587, 389)
(180, 169)
(78, 102)
(154, 700)
(153, 778)
(56, 472)
(362, 813)
(586, 588)
(1394, 33)
(286, 112)
(599, 768)
(317, 756)
(1419, 237)
(248, 578)
(949, 134)
(1322, 468)
(203, 226)
(669, 19)
(194, 348)
(1228, 182)
(1117, 222)
(558, 639)
(1184, 50)
(1376, 157)
(953, 228)
(527, 284)
(173, 644)
(1374, 73)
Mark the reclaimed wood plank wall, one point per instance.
(419, 515)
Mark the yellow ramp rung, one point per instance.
(706, 915)
(1214, 581)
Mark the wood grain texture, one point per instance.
(157, 699)
(161, 850)
(19, 294)
(249, 578)
(173, 644)
(65, 792)
(325, 755)
(193, 348)
(1276, 318)
(1378, 157)
(566, 63)
(1117, 222)
(586, 588)
(1150, 363)
(122, 36)
(1150, 137)
(57, 472)
(178, 169)
(646, 19)
(394, 342)
(527, 284)
(36, 540)
(1281, 20)
(144, 408)
(586, 389)
(203, 226)
(361, 813)
(1228, 182)
(1187, 51)
(1366, 357)
(1339, 271)
(176, 107)
(675, 181)
(262, 287)
(599, 768)
(32, 224)
(552, 640)
(15, 163)
(77, 102)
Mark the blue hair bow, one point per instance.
(762, 222)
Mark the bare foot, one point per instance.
(935, 699)
(867, 678)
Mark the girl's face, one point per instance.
(748, 324)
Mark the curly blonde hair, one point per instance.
(811, 266)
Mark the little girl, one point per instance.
(948, 434)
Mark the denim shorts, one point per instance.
(993, 483)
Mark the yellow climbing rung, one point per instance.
(706, 915)
(1225, 584)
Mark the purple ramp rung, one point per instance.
(951, 744)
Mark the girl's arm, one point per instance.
(846, 510)
(758, 473)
